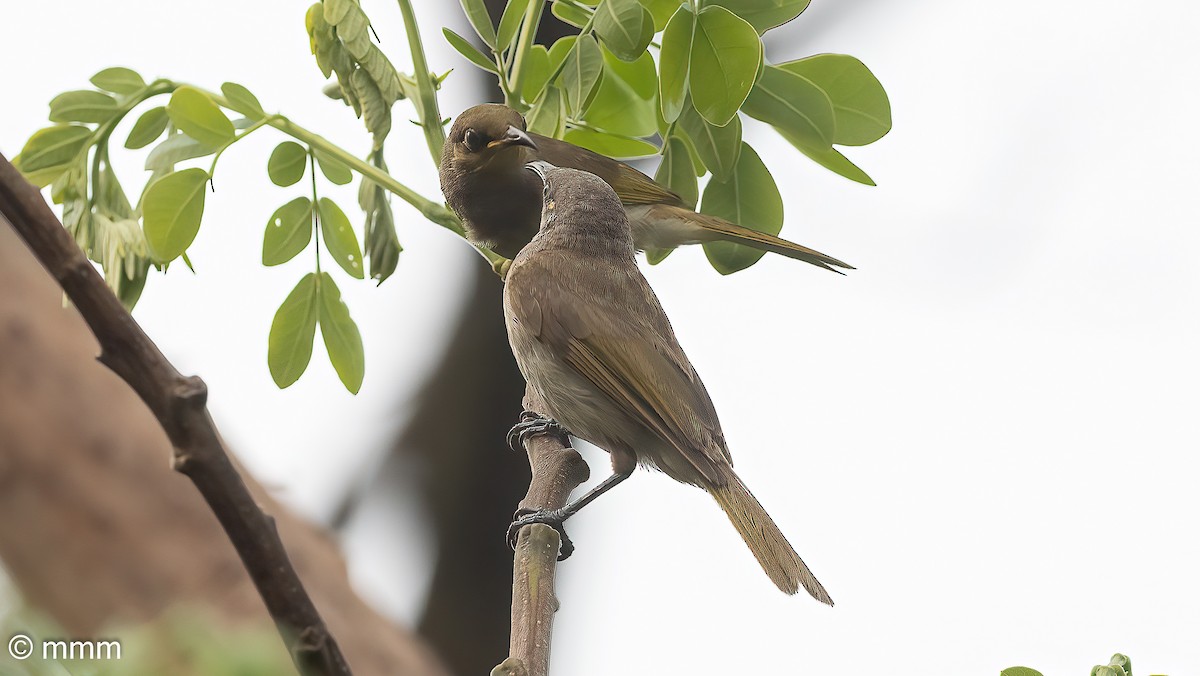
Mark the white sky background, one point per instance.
(983, 440)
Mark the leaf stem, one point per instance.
(257, 125)
(316, 218)
(427, 103)
(533, 17)
(432, 211)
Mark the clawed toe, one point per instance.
(550, 517)
(532, 424)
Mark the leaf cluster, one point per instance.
(604, 90)
(611, 88)
(1119, 665)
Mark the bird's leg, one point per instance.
(532, 424)
(623, 466)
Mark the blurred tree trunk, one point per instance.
(473, 483)
(99, 530)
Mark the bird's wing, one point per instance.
(632, 357)
(631, 185)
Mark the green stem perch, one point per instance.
(427, 106)
(533, 17)
(433, 211)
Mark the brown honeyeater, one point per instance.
(484, 180)
(595, 345)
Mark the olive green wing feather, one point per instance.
(631, 185)
(633, 358)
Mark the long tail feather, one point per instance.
(781, 563)
(732, 232)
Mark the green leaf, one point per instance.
(334, 170)
(1020, 671)
(569, 14)
(764, 14)
(560, 50)
(286, 164)
(343, 342)
(339, 237)
(656, 256)
(537, 72)
(860, 105)
(749, 198)
(109, 197)
(44, 177)
(510, 21)
(289, 345)
(241, 100)
(195, 114)
(468, 50)
(717, 147)
(661, 10)
(376, 111)
(582, 72)
(624, 102)
(794, 104)
(289, 231)
(84, 105)
(548, 112)
(1121, 664)
(675, 171)
(725, 58)
(171, 212)
(831, 159)
(336, 10)
(606, 144)
(51, 147)
(674, 58)
(174, 149)
(481, 21)
(148, 128)
(118, 80)
(625, 26)
(380, 244)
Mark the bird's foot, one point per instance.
(533, 424)
(550, 517)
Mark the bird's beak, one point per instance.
(513, 137)
(540, 167)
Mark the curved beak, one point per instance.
(513, 137)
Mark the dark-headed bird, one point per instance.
(484, 180)
(593, 342)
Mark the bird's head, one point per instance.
(580, 209)
(488, 136)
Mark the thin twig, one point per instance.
(179, 404)
(557, 470)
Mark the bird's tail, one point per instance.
(781, 563)
(722, 230)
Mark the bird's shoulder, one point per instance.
(631, 185)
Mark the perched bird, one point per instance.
(593, 342)
(485, 183)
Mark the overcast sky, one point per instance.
(983, 441)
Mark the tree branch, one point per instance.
(557, 470)
(179, 404)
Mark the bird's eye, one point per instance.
(473, 140)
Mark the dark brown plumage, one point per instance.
(484, 181)
(593, 341)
